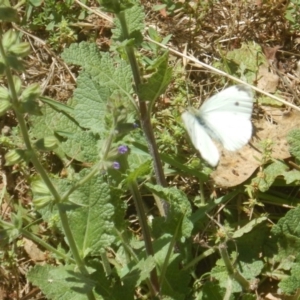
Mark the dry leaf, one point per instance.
(236, 167)
(270, 53)
(267, 81)
(269, 296)
(33, 251)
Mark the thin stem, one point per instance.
(145, 229)
(145, 117)
(45, 245)
(231, 270)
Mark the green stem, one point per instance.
(231, 270)
(129, 251)
(196, 260)
(45, 245)
(38, 166)
(145, 229)
(145, 117)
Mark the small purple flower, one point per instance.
(135, 125)
(122, 149)
(116, 165)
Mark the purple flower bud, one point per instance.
(122, 149)
(116, 165)
(135, 125)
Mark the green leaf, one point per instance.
(135, 22)
(269, 174)
(102, 70)
(292, 176)
(289, 224)
(139, 272)
(75, 143)
(82, 145)
(36, 3)
(212, 290)
(202, 211)
(158, 82)
(248, 270)
(61, 283)
(243, 62)
(116, 6)
(57, 105)
(84, 54)
(91, 103)
(8, 14)
(248, 227)
(92, 224)
(179, 207)
(293, 139)
(141, 170)
(285, 243)
(291, 284)
(176, 281)
(173, 161)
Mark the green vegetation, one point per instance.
(102, 196)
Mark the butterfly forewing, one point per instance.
(227, 117)
(237, 99)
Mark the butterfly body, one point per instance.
(226, 118)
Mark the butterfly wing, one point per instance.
(227, 116)
(200, 139)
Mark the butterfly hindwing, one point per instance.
(232, 131)
(200, 139)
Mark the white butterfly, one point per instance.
(226, 118)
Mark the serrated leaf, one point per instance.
(83, 54)
(291, 284)
(286, 235)
(269, 174)
(75, 143)
(250, 54)
(176, 281)
(139, 272)
(289, 224)
(158, 81)
(248, 270)
(292, 176)
(91, 103)
(220, 273)
(243, 62)
(82, 146)
(212, 290)
(114, 74)
(293, 139)
(52, 121)
(135, 18)
(104, 70)
(92, 223)
(179, 207)
(61, 283)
